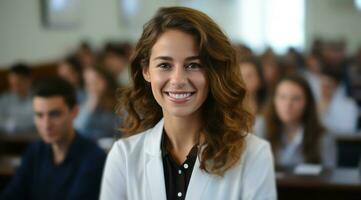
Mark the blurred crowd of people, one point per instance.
(95, 77)
(303, 101)
(300, 99)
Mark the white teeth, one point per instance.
(179, 95)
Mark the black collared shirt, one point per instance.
(176, 176)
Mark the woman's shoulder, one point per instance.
(146, 141)
(256, 148)
(255, 142)
(259, 126)
(129, 144)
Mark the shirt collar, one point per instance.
(74, 148)
(72, 152)
(163, 144)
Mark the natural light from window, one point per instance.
(275, 23)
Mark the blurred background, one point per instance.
(43, 30)
(289, 50)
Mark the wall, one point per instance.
(333, 19)
(22, 36)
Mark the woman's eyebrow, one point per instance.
(193, 58)
(170, 58)
(163, 58)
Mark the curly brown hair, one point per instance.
(225, 120)
(313, 130)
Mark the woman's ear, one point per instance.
(146, 75)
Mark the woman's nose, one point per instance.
(178, 77)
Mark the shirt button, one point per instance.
(179, 194)
(185, 166)
(179, 171)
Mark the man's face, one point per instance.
(53, 118)
(114, 63)
(328, 86)
(18, 84)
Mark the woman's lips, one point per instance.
(179, 97)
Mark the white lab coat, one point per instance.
(134, 171)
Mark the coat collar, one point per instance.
(153, 139)
(155, 173)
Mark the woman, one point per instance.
(271, 68)
(185, 112)
(71, 70)
(292, 126)
(96, 118)
(253, 77)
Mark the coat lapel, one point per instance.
(197, 184)
(154, 164)
(155, 178)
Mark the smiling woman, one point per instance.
(185, 112)
(179, 83)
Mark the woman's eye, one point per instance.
(193, 66)
(164, 65)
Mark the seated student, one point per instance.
(271, 69)
(15, 105)
(71, 70)
(86, 55)
(292, 126)
(64, 164)
(115, 59)
(338, 112)
(312, 73)
(253, 78)
(97, 118)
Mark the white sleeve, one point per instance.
(353, 113)
(259, 173)
(259, 127)
(113, 185)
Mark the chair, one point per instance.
(348, 150)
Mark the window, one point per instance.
(275, 23)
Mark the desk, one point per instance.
(348, 150)
(11, 149)
(8, 165)
(15, 145)
(330, 184)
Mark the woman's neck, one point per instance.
(291, 129)
(183, 133)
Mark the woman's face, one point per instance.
(66, 72)
(250, 77)
(271, 72)
(290, 102)
(177, 77)
(94, 83)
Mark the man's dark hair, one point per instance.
(332, 73)
(20, 69)
(118, 49)
(55, 86)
